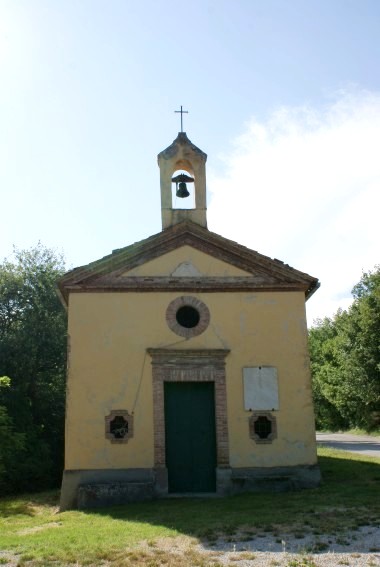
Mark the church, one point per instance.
(188, 364)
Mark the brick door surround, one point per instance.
(203, 365)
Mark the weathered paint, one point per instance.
(109, 369)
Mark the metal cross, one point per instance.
(182, 112)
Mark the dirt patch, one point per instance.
(27, 531)
(255, 548)
(248, 547)
(298, 548)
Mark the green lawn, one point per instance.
(32, 527)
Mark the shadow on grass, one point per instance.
(348, 485)
(28, 504)
(347, 498)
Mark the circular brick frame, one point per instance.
(187, 300)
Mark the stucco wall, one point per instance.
(109, 369)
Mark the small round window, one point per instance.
(187, 316)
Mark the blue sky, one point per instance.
(283, 96)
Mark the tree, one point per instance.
(11, 443)
(32, 354)
(345, 355)
(324, 365)
(360, 348)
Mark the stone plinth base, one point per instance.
(274, 479)
(102, 495)
(87, 488)
(109, 487)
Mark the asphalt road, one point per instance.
(363, 444)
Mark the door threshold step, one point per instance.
(193, 495)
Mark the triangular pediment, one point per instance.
(186, 261)
(186, 257)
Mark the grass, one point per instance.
(32, 527)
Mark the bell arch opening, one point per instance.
(183, 187)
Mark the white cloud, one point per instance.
(304, 187)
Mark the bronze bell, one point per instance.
(180, 181)
(182, 191)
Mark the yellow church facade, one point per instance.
(188, 365)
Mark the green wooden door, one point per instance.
(190, 436)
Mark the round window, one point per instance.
(187, 316)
